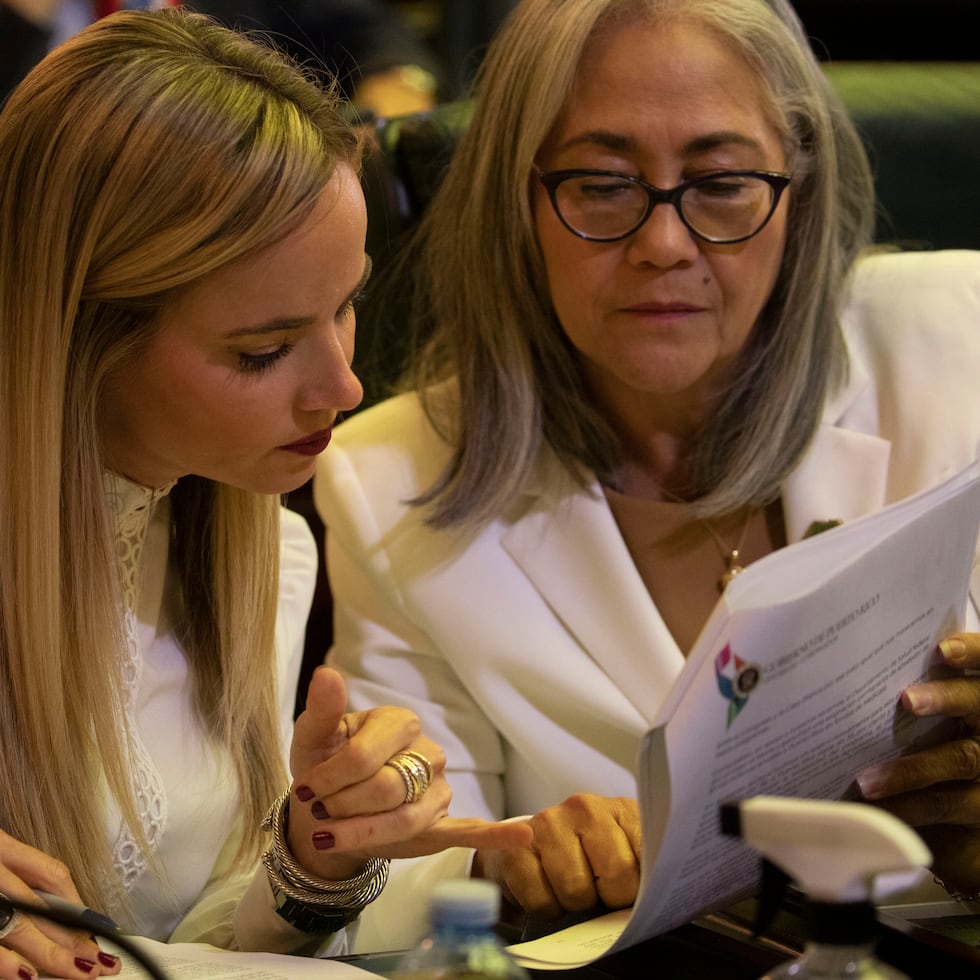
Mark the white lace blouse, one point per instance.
(186, 788)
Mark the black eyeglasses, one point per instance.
(722, 208)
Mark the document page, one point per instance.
(791, 688)
(199, 961)
(572, 947)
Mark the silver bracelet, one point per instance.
(290, 878)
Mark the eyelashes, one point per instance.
(355, 300)
(256, 363)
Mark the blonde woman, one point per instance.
(181, 244)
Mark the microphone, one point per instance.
(75, 920)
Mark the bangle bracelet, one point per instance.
(310, 903)
(955, 894)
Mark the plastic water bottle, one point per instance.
(461, 944)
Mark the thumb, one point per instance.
(320, 730)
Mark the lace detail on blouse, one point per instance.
(133, 506)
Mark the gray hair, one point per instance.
(483, 292)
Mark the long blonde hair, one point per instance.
(145, 152)
(484, 300)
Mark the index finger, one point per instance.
(34, 869)
(501, 835)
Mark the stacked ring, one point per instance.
(416, 772)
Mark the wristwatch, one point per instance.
(309, 903)
(307, 918)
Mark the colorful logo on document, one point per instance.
(736, 679)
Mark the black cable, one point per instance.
(72, 921)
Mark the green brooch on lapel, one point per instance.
(818, 527)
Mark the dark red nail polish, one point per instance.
(107, 959)
(319, 811)
(86, 966)
(304, 793)
(25, 974)
(323, 840)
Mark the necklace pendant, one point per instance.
(732, 568)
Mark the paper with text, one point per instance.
(791, 689)
(199, 961)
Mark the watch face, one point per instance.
(308, 918)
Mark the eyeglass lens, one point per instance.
(720, 208)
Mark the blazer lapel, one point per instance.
(569, 547)
(842, 476)
(844, 472)
(573, 554)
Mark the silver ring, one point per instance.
(416, 772)
(8, 917)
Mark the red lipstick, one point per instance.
(310, 446)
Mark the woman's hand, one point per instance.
(33, 945)
(585, 851)
(348, 805)
(937, 790)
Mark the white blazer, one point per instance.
(531, 649)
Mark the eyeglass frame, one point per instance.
(777, 180)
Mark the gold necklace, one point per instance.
(730, 556)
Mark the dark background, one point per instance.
(457, 31)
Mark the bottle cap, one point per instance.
(465, 902)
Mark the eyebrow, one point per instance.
(280, 323)
(700, 144)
